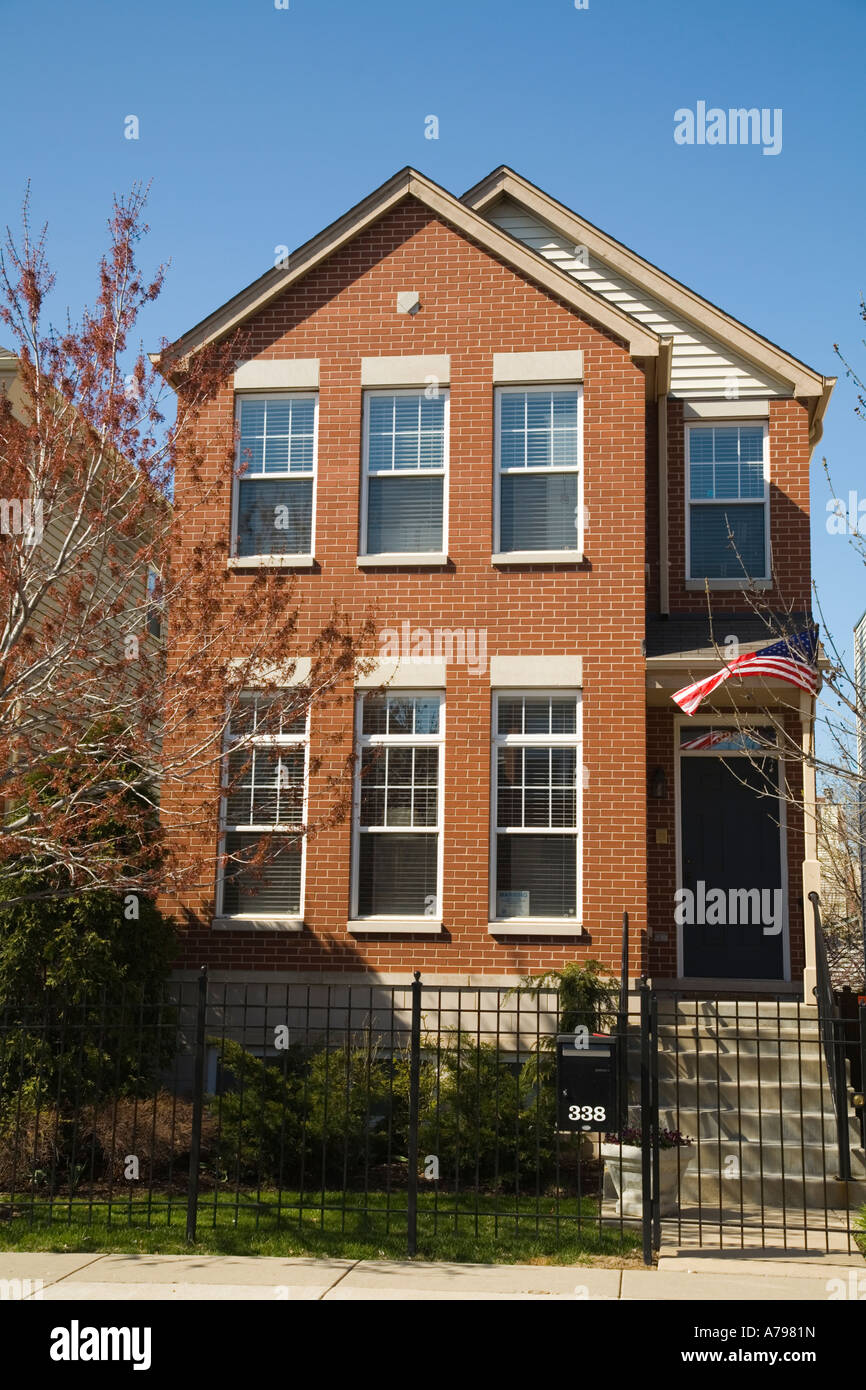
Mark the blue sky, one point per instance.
(258, 126)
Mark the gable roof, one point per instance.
(651, 295)
(642, 342)
(660, 320)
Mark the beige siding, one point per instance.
(701, 365)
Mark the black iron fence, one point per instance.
(762, 1090)
(397, 1115)
(328, 1117)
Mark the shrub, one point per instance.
(489, 1117)
(325, 1114)
(258, 1124)
(356, 1110)
(333, 1114)
(586, 996)
(80, 991)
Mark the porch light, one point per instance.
(658, 784)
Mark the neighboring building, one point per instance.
(524, 447)
(839, 860)
(839, 857)
(51, 532)
(65, 539)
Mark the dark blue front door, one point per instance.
(731, 842)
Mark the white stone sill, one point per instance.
(276, 562)
(538, 557)
(430, 926)
(399, 560)
(534, 926)
(270, 924)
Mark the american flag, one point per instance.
(708, 740)
(793, 660)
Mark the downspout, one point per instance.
(663, 386)
(811, 865)
(818, 408)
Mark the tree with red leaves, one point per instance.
(99, 715)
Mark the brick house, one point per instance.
(525, 448)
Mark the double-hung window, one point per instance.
(536, 812)
(728, 506)
(538, 460)
(404, 505)
(398, 818)
(264, 780)
(276, 475)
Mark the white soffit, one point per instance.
(285, 374)
(701, 364)
(537, 366)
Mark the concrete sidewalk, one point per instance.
(710, 1275)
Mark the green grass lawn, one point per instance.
(495, 1229)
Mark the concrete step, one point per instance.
(790, 1039)
(753, 1126)
(738, 1068)
(749, 1082)
(775, 1142)
(765, 1050)
(739, 1077)
(730, 1156)
(735, 1009)
(703, 1183)
(770, 1190)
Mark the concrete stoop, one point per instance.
(748, 1082)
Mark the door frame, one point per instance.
(732, 721)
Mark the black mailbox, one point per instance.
(586, 1081)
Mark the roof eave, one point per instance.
(802, 380)
(642, 342)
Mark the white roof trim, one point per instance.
(803, 380)
(641, 341)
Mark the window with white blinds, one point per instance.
(398, 817)
(728, 506)
(264, 778)
(538, 457)
(276, 474)
(536, 806)
(405, 466)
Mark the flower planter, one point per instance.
(625, 1165)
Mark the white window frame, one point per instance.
(225, 828)
(404, 557)
(516, 557)
(740, 581)
(539, 926)
(303, 558)
(398, 921)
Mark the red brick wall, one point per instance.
(472, 306)
(652, 576)
(789, 513)
(790, 544)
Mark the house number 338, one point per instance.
(587, 1112)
